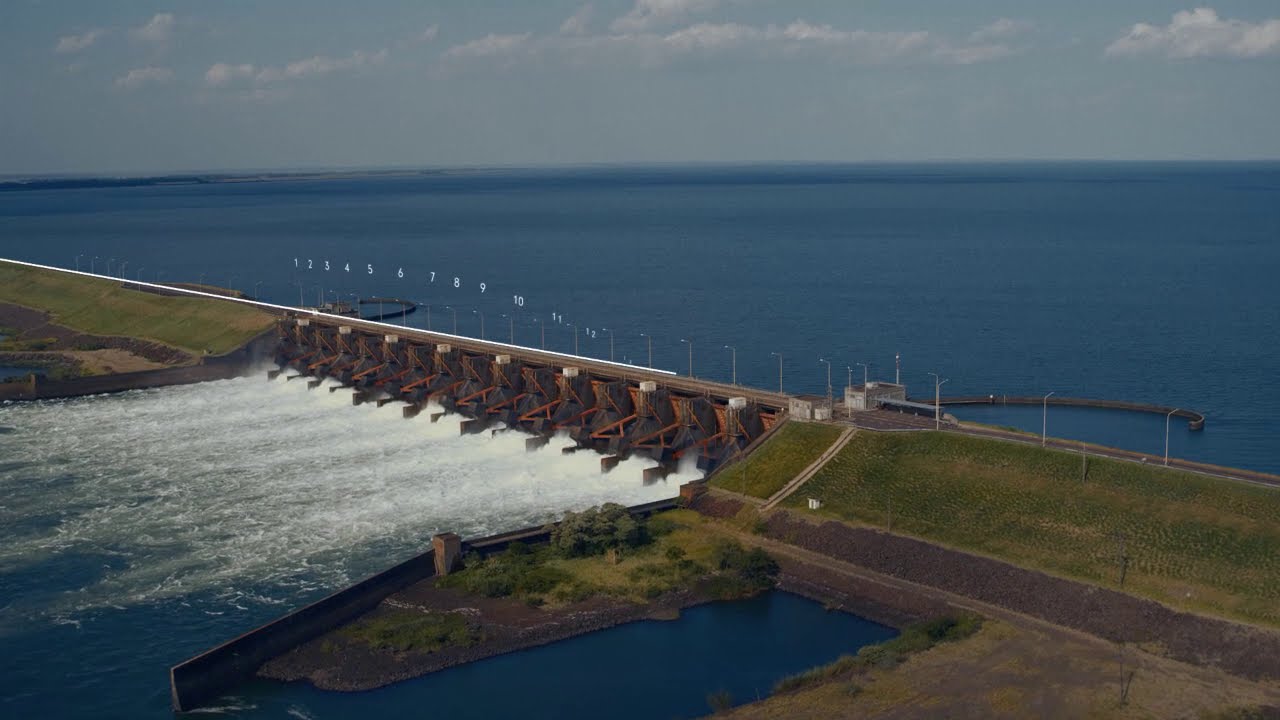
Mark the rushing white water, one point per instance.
(261, 491)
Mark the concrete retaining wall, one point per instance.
(214, 672)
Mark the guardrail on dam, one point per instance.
(615, 409)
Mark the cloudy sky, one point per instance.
(137, 86)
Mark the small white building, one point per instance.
(869, 396)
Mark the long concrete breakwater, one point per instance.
(211, 674)
(1196, 419)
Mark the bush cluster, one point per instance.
(596, 530)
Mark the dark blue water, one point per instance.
(1143, 282)
(14, 371)
(642, 670)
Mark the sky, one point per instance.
(131, 86)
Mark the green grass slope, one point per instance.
(104, 307)
(792, 449)
(1191, 541)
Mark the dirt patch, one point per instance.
(1242, 650)
(35, 338)
(336, 661)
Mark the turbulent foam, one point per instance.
(262, 491)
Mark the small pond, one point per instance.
(645, 670)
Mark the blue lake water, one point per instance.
(642, 670)
(143, 529)
(14, 371)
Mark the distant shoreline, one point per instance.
(71, 181)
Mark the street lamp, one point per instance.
(734, 355)
(650, 339)
(575, 337)
(512, 320)
(109, 261)
(779, 356)
(690, 344)
(78, 262)
(830, 401)
(937, 400)
(455, 317)
(140, 269)
(93, 265)
(1044, 420)
(543, 326)
(610, 343)
(123, 264)
(1167, 418)
(864, 374)
(477, 312)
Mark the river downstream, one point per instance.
(140, 528)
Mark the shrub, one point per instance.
(593, 531)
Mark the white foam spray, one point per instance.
(262, 491)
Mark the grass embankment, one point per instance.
(407, 630)
(1180, 538)
(104, 307)
(1007, 671)
(775, 463)
(607, 553)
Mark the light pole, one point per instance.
(78, 262)
(690, 344)
(734, 354)
(849, 380)
(1167, 418)
(610, 343)
(511, 320)
(937, 400)
(123, 264)
(864, 374)
(543, 327)
(650, 339)
(140, 269)
(455, 317)
(477, 312)
(779, 356)
(109, 261)
(1044, 421)
(93, 265)
(575, 337)
(830, 402)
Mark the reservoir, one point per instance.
(651, 669)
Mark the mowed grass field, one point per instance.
(103, 307)
(792, 449)
(1191, 541)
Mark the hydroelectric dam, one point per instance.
(615, 409)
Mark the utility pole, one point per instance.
(1044, 421)
(864, 375)
(1167, 418)
(734, 351)
(830, 400)
(650, 339)
(779, 356)
(897, 368)
(938, 382)
(610, 343)
(690, 344)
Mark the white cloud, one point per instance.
(489, 45)
(429, 34)
(157, 29)
(1001, 29)
(1200, 33)
(579, 22)
(139, 77)
(76, 43)
(220, 74)
(649, 14)
(799, 38)
(321, 65)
